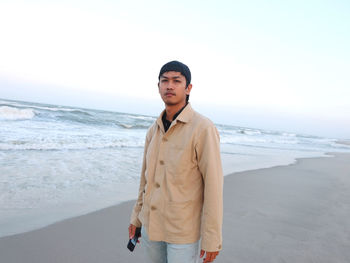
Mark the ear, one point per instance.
(188, 89)
(158, 87)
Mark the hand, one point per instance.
(132, 230)
(209, 257)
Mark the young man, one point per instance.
(180, 195)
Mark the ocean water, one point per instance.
(58, 162)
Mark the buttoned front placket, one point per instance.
(157, 202)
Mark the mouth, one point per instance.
(169, 94)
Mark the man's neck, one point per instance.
(171, 110)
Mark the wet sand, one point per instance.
(295, 213)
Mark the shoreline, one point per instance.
(291, 213)
(231, 165)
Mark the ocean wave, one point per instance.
(287, 134)
(248, 132)
(78, 113)
(257, 139)
(237, 140)
(74, 111)
(23, 145)
(126, 126)
(133, 126)
(145, 118)
(342, 142)
(11, 113)
(11, 110)
(48, 108)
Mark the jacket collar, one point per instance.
(185, 116)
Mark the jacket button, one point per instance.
(153, 207)
(161, 162)
(165, 139)
(157, 185)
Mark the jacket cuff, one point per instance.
(211, 247)
(135, 221)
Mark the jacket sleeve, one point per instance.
(209, 162)
(139, 202)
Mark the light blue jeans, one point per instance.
(163, 252)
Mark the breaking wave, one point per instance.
(10, 113)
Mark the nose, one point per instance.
(170, 86)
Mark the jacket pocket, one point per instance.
(179, 217)
(179, 164)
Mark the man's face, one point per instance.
(172, 88)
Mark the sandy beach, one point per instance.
(295, 213)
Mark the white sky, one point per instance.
(267, 64)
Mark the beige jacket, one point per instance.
(181, 186)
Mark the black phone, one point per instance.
(132, 242)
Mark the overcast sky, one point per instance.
(267, 64)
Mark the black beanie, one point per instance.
(178, 67)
